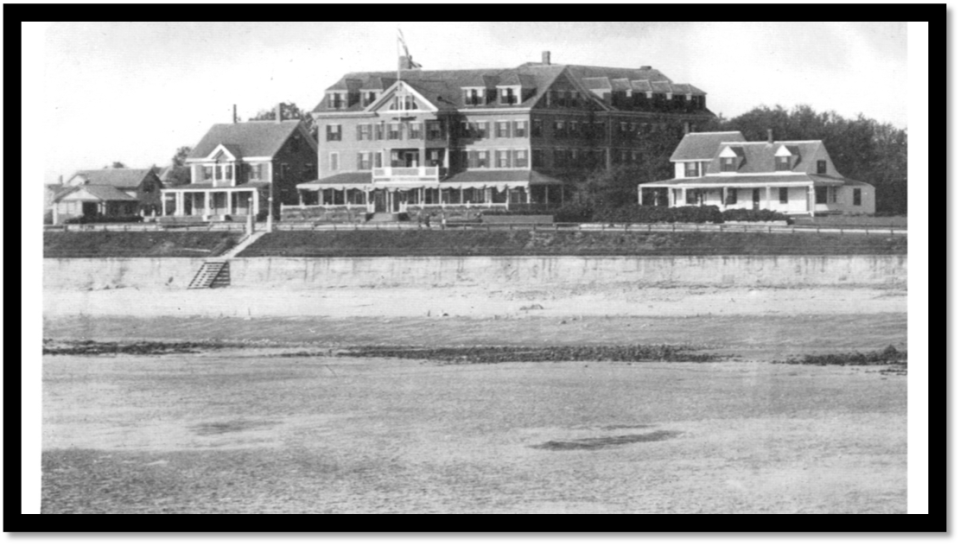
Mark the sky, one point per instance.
(135, 92)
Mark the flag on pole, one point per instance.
(406, 51)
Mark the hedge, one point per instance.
(750, 215)
(638, 214)
(103, 220)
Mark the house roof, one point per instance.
(97, 193)
(758, 157)
(249, 139)
(118, 178)
(703, 146)
(175, 175)
(764, 180)
(210, 186)
(443, 87)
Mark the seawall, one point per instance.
(512, 271)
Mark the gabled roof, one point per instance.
(97, 193)
(444, 86)
(759, 157)
(770, 179)
(249, 139)
(118, 178)
(703, 146)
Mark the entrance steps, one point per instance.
(212, 274)
(243, 244)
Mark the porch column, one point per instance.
(178, 203)
(768, 199)
(230, 196)
(206, 203)
(163, 205)
(683, 197)
(811, 200)
(300, 196)
(256, 202)
(723, 198)
(527, 189)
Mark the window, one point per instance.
(503, 159)
(520, 129)
(833, 195)
(334, 161)
(559, 129)
(537, 130)
(378, 160)
(335, 100)
(218, 173)
(363, 132)
(472, 97)
(728, 164)
(784, 196)
(435, 158)
(415, 130)
(783, 163)
(369, 98)
(295, 144)
(483, 159)
(693, 197)
(690, 169)
(308, 171)
(472, 161)
(732, 196)
(363, 161)
(560, 159)
(481, 129)
(507, 96)
(503, 129)
(520, 158)
(857, 197)
(207, 172)
(599, 129)
(573, 129)
(228, 172)
(333, 133)
(284, 171)
(434, 130)
(393, 131)
(821, 194)
(378, 131)
(821, 166)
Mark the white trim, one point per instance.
(225, 151)
(392, 90)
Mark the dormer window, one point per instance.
(821, 166)
(728, 164)
(369, 97)
(405, 102)
(473, 96)
(690, 169)
(783, 163)
(336, 100)
(508, 95)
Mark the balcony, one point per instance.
(407, 174)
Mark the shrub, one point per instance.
(750, 215)
(638, 214)
(574, 213)
(98, 219)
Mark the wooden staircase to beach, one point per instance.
(212, 274)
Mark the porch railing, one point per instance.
(431, 174)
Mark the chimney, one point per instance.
(686, 127)
(234, 113)
(769, 136)
(546, 57)
(646, 67)
(279, 112)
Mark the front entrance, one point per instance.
(756, 199)
(90, 209)
(379, 201)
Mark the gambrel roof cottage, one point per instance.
(487, 137)
(789, 176)
(236, 168)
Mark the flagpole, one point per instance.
(398, 55)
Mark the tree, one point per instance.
(179, 159)
(289, 111)
(116, 165)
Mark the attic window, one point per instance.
(507, 95)
(821, 166)
(783, 163)
(472, 97)
(335, 100)
(369, 98)
(728, 164)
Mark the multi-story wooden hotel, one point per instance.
(486, 138)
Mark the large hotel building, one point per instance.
(486, 138)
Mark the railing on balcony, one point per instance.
(419, 174)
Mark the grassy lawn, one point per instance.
(528, 242)
(136, 244)
(898, 222)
